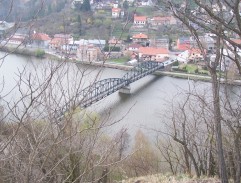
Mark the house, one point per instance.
(40, 40)
(207, 42)
(237, 41)
(140, 20)
(183, 43)
(115, 5)
(140, 38)
(227, 62)
(88, 53)
(17, 39)
(130, 1)
(160, 43)
(57, 43)
(152, 53)
(145, 2)
(160, 21)
(64, 36)
(183, 57)
(76, 3)
(73, 45)
(195, 54)
(5, 28)
(116, 12)
(192, 54)
(134, 47)
(115, 42)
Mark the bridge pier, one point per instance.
(125, 90)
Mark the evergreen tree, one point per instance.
(86, 5)
(79, 24)
(125, 5)
(49, 9)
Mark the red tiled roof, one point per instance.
(195, 51)
(140, 18)
(153, 51)
(41, 36)
(57, 40)
(116, 10)
(140, 36)
(238, 41)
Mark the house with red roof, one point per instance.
(192, 54)
(116, 12)
(57, 43)
(152, 53)
(40, 40)
(195, 54)
(140, 38)
(183, 43)
(18, 39)
(114, 42)
(140, 20)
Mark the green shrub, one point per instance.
(176, 63)
(39, 53)
(205, 67)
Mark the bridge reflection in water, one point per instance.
(101, 89)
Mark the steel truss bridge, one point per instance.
(103, 88)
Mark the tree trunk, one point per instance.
(218, 126)
(237, 157)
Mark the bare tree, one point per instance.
(222, 19)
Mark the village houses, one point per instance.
(40, 40)
(140, 20)
(154, 54)
(134, 47)
(18, 39)
(116, 12)
(160, 21)
(160, 42)
(88, 53)
(140, 39)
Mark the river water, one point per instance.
(149, 97)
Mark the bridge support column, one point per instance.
(125, 89)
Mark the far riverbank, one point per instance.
(196, 77)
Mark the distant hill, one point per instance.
(24, 10)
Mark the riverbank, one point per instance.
(32, 52)
(197, 77)
(106, 64)
(25, 51)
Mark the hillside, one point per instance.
(25, 10)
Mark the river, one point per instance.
(149, 97)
